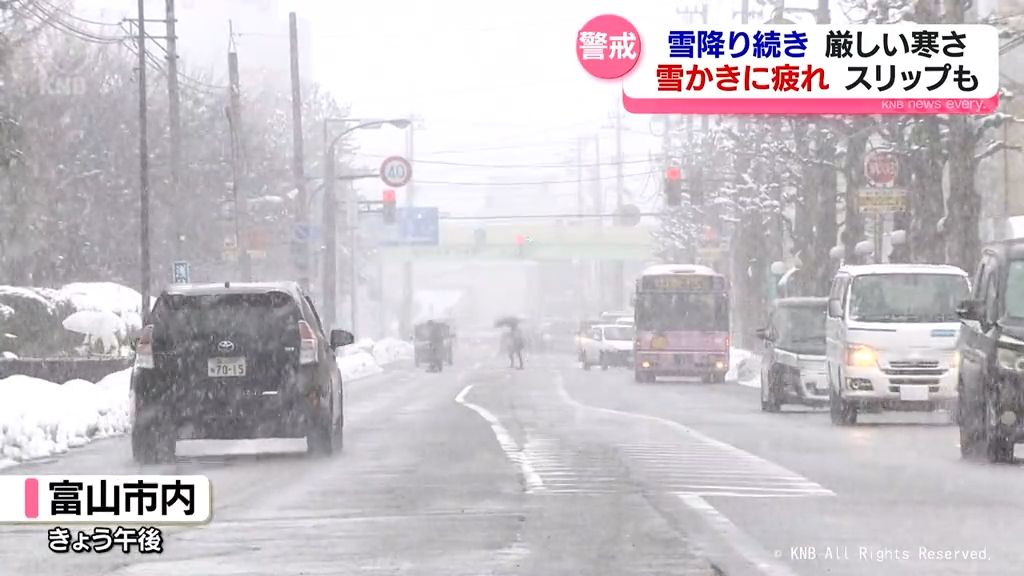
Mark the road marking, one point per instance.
(701, 465)
(508, 444)
(739, 540)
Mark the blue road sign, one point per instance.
(419, 226)
(182, 272)
(305, 232)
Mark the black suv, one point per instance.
(991, 352)
(229, 361)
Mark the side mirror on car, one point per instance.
(341, 338)
(970, 310)
(762, 333)
(835, 308)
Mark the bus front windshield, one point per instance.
(690, 311)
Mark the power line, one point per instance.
(534, 183)
(67, 14)
(539, 166)
(566, 216)
(54, 20)
(549, 142)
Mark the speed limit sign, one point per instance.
(395, 171)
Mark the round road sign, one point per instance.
(395, 171)
(880, 168)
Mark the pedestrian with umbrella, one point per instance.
(513, 341)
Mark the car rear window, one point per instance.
(181, 317)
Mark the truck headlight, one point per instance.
(861, 356)
(1010, 359)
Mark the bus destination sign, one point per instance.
(679, 283)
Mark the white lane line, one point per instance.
(744, 457)
(505, 440)
(740, 541)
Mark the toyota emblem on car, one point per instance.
(226, 346)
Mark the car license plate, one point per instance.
(225, 367)
(913, 393)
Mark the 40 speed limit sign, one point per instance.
(395, 171)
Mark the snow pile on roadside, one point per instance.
(39, 418)
(388, 350)
(744, 368)
(358, 365)
(366, 356)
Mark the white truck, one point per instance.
(891, 337)
(607, 345)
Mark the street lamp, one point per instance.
(330, 280)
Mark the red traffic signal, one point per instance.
(520, 240)
(673, 173)
(388, 208)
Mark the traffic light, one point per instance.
(697, 188)
(673, 186)
(388, 207)
(520, 243)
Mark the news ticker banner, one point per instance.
(94, 499)
(669, 68)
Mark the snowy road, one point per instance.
(552, 471)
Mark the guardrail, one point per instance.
(61, 370)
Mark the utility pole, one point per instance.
(581, 209)
(618, 266)
(382, 318)
(298, 171)
(238, 166)
(330, 222)
(143, 167)
(580, 145)
(598, 209)
(351, 216)
(173, 108)
(407, 269)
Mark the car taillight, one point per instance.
(307, 345)
(144, 349)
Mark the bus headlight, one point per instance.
(861, 357)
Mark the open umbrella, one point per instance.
(105, 327)
(95, 323)
(507, 321)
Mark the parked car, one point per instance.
(991, 353)
(891, 338)
(229, 361)
(608, 345)
(793, 362)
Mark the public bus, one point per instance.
(682, 323)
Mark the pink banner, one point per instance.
(810, 105)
